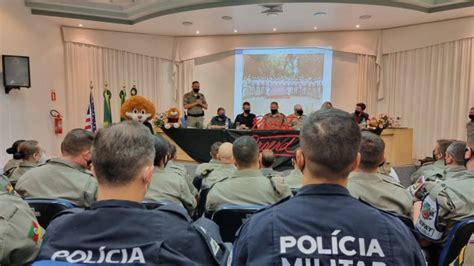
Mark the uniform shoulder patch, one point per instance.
(427, 223)
(35, 232)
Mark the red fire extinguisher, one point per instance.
(58, 121)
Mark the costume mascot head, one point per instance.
(140, 109)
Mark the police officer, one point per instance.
(31, 155)
(266, 160)
(247, 185)
(439, 153)
(175, 168)
(295, 178)
(379, 190)
(195, 103)
(454, 163)
(274, 119)
(13, 150)
(323, 224)
(168, 185)
(67, 177)
(213, 163)
(20, 233)
(296, 119)
(225, 169)
(117, 228)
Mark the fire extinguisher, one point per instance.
(58, 121)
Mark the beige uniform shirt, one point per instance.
(247, 187)
(24, 166)
(219, 173)
(443, 173)
(59, 179)
(295, 178)
(11, 164)
(382, 192)
(430, 167)
(169, 186)
(20, 233)
(191, 97)
(181, 170)
(212, 164)
(296, 122)
(447, 203)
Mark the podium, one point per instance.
(398, 145)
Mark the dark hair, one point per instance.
(245, 151)
(162, 149)
(194, 82)
(215, 149)
(268, 158)
(443, 145)
(14, 148)
(76, 141)
(273, 103)
(172, 151)
(219, 109)
(371, 151)
(330, 141)
(245, 103)
(362, 106)
(457, 150)
(27, 149)
(121, 151)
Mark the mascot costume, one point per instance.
(140, 109)
(173, 118)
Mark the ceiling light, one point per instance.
(274, 29)
(315, 28)
(187, 23)
(357, 26)
(197, 32)
(80, 25)
(320, 14)
(235, 31)
(226, 17)
(365, 17)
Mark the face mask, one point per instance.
(471, 117)
(299, 112)
(196, 90)
(466, 160)
(222, 116)
(247, 111)
(357, 112)
(274, 111)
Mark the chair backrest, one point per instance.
(152, 204)
(201, 207)
(231, 217)
(46, 210)
(457, 239)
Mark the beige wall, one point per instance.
(25, 113)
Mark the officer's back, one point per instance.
(118, 229)
(323, 224)
(66, 177)
(224, 169)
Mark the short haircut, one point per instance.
(470, 134)
(172, 150)
(162, 149)
(268, 158)
(457, 150)
(246, 103)
(220, 108)
(245, 151)
(27, 149)
(362, 106)
(371, 151)
(274, 103)
(443, 145)
(121, 151)
(215, 149)
(76, 141)
(330, 141)
(194, 82)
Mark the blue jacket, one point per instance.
(324, 225)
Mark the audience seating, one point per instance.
(457, 239)
(230, 217)
(46, 209)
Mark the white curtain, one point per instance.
(85, 63)
(431, 89)
(183, 76)
(367, 82)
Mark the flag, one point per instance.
(107, 108)
(123, 96)
(90, 117)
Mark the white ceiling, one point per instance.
(297, 17)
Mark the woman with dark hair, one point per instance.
(30, 154)
(12, 163)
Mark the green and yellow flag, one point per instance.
(107, 107)
(123, 96)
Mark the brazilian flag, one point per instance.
(107, 108)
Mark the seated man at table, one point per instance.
(246, 119)
(296, 119)
(168, 185)
(273, 120)
(247, 186)
(378, 190)
(118, 228)
(220, 121)
(67, 177)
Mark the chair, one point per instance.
(152, 204)
(457, 239)
(46, 210)
(231, 217)
(201, 207)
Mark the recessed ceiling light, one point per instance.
(187, 23)
(357, 26)
(320, 14)
(365, 17)
(274, 29)
(80, 25)
(235, 31)
(315, 28)
(197, 32)
(226, 17)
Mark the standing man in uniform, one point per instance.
(379, 190)
(118, 228)
(323, 224)
(247, 185)
(20, 233)
(67, 177)
(195, 104)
